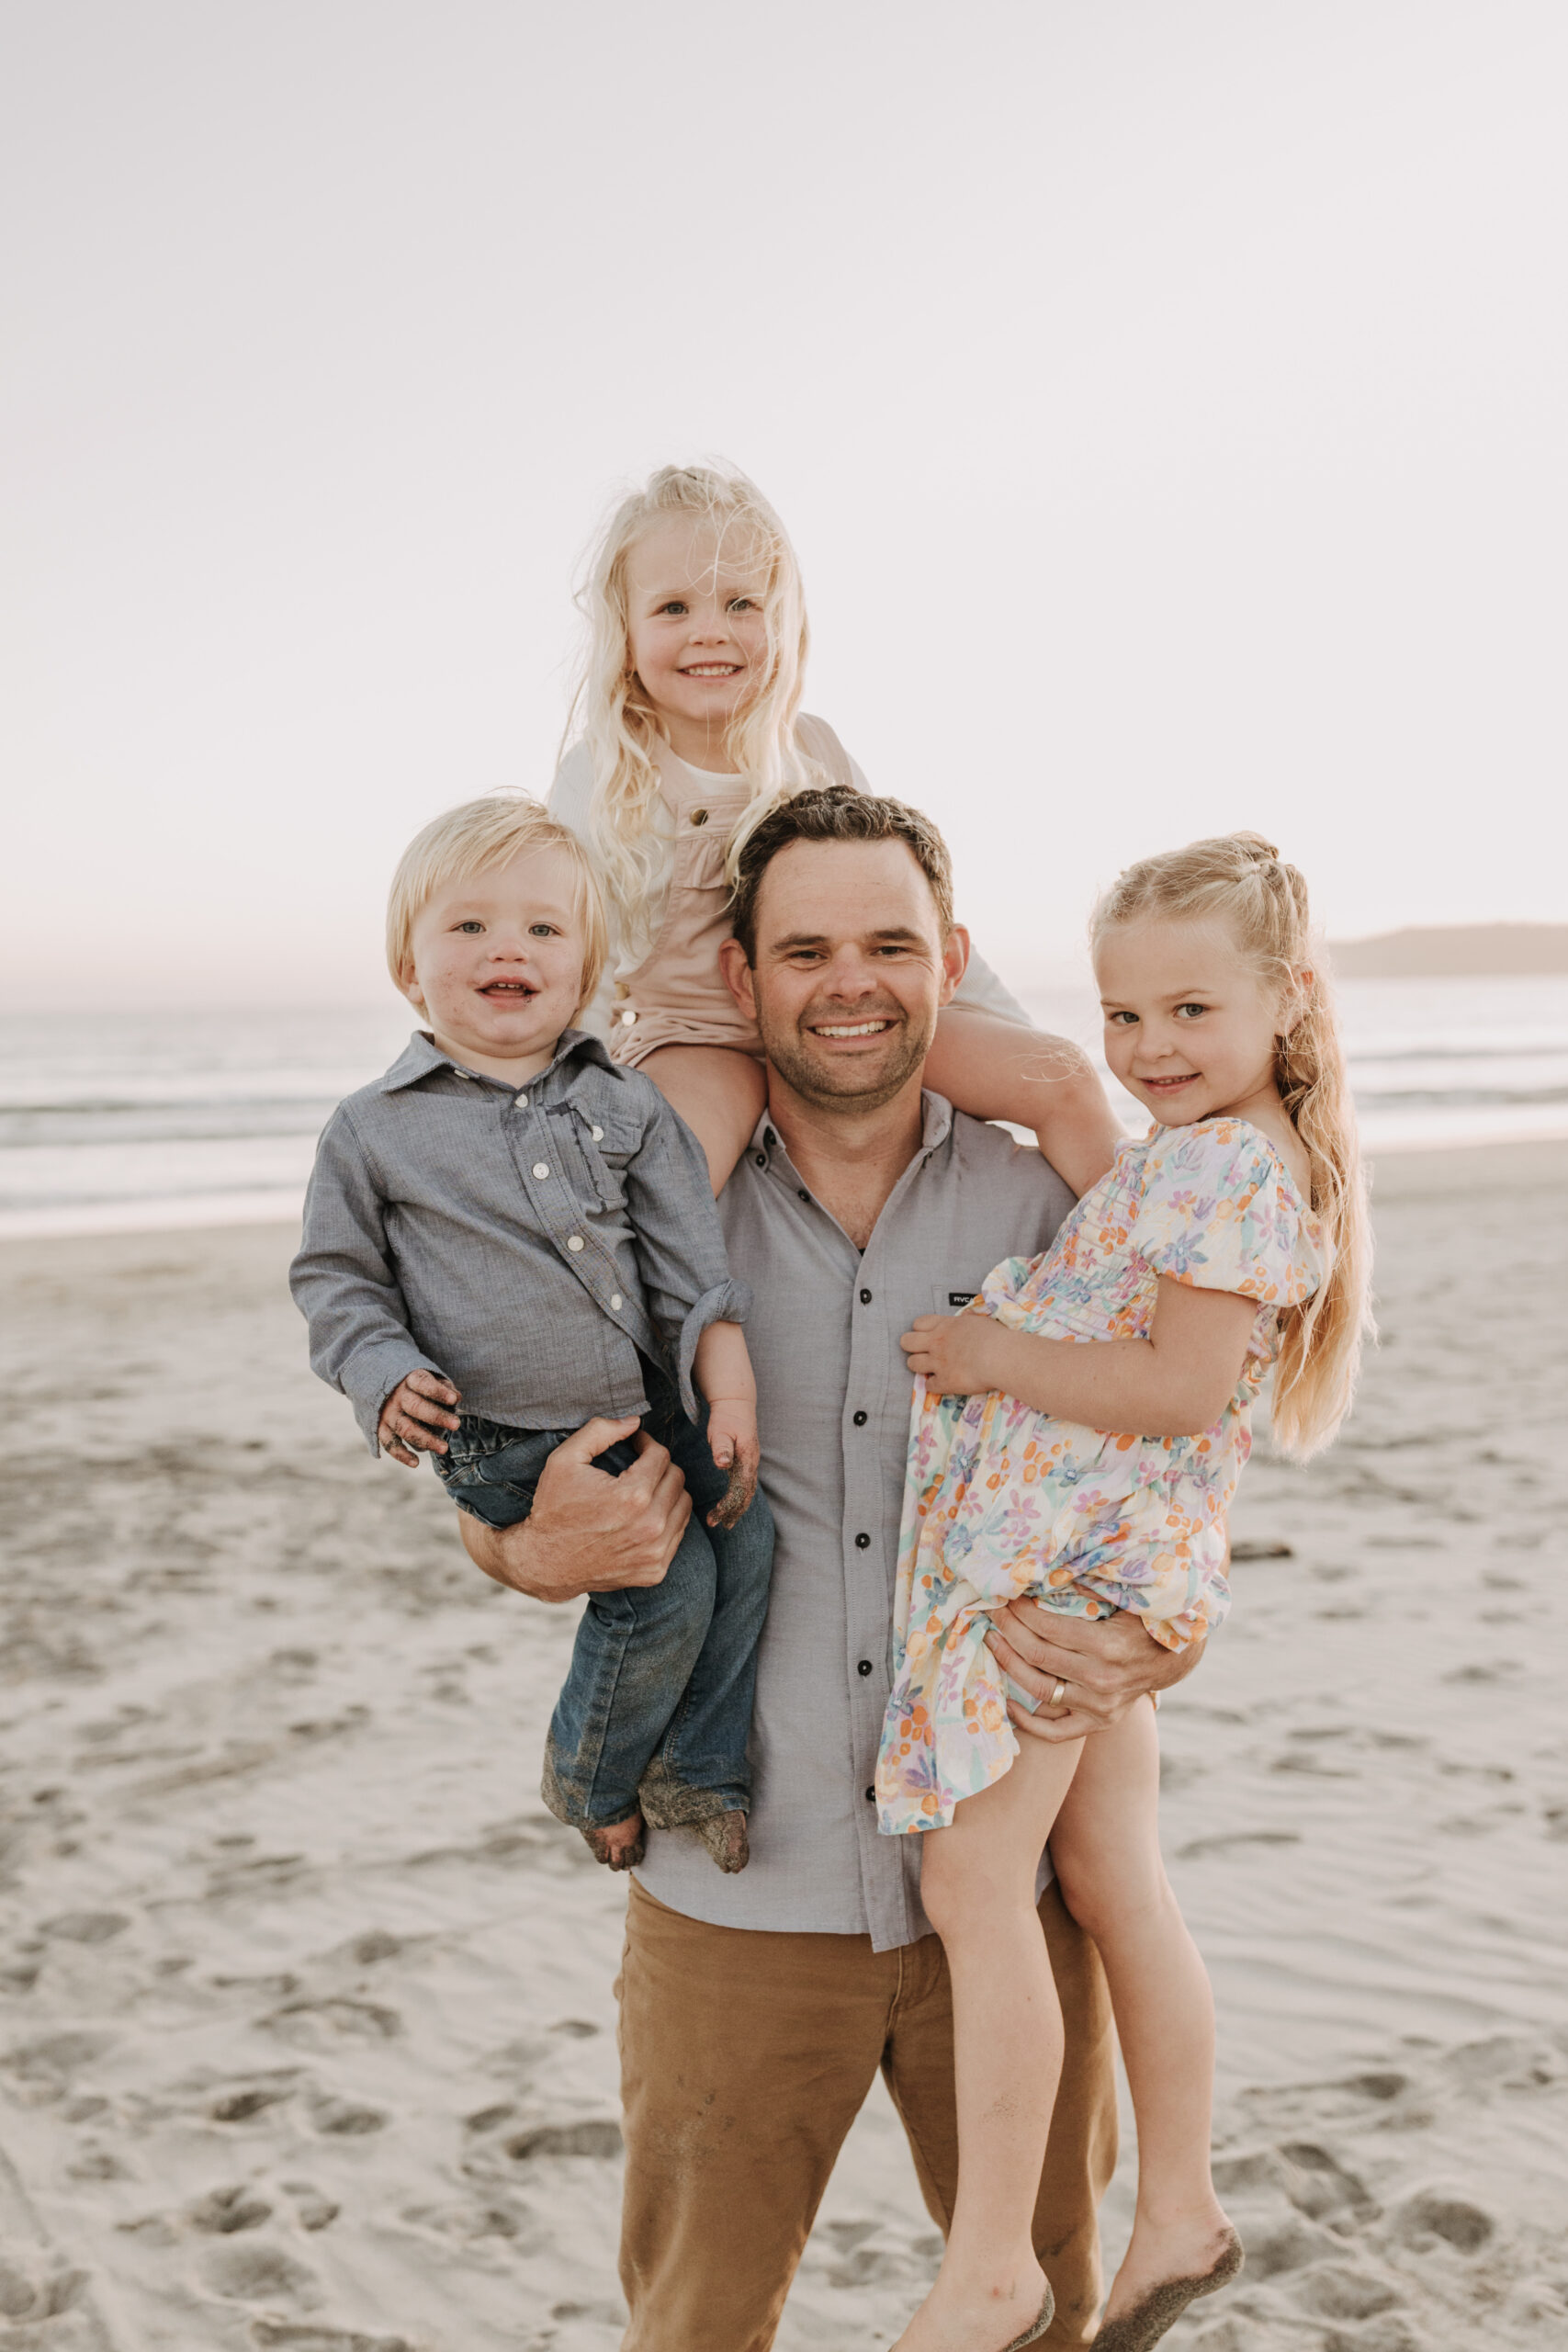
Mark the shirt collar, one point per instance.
(421, 1055)
(936, 1126)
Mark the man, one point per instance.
(756, 2009)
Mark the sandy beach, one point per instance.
(308, 2033)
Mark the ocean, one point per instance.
(118, 1121)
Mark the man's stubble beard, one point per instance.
(830, 1085)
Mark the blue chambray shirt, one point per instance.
(525, 1242)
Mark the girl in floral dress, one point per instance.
(688, 729)
(1078, 1436)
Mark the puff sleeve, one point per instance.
(1219, 1211)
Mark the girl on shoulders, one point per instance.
(1077, 1437)
(689, 729)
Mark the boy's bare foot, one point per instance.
(724, 1835)
(1166, 2269)
(621, 1846)
(1008, 2314)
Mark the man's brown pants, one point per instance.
(745, 2057)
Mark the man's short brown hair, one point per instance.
(836, 813)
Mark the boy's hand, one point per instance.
(418, 1409)
(733, 1442)
(951, 1351)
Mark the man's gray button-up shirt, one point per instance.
(525, 1244)
(833, 1401)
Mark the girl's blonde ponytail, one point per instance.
(1240, 879)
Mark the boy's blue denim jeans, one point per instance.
(663, 1676)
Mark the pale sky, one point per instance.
(1168, 403)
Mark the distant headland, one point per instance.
(1456, 951)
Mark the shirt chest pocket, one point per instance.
(606, 1142)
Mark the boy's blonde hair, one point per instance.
(1238, 879)
(610, 707)
(475, 839)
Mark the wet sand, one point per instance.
(307, 2035)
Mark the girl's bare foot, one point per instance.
(621, 1846)
(1167, 2266)
(1006, 2311)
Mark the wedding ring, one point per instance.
(1057, 1695)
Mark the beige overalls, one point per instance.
(675, 996)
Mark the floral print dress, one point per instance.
(1000, 1501)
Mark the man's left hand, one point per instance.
(1106, 1663)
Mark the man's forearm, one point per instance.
(514, 1557)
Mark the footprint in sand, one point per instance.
(312, 2211)
(346, 2119)
(1312, 2180)
(33, 2290)
(467, 2223)
(253, 2098)
(261, 2274)
(1430, 2219)
(85, 1926)
(319, 2024)
(1290, 2246)
(490, 2119)
(1337, 2292)
(46, 2068)
(225, 2212)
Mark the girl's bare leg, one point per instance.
(1106, 1850)
(977, 1884)
(720, 1090)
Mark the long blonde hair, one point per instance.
(1240, 880)
(610, 709)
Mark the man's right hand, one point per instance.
(589, 1530)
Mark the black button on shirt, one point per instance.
(864, 1666)
(862, 1543)
(860, 1421)
(865, 1298)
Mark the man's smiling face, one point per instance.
(496, 963)
(851, 969)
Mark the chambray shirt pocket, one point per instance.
(605, 1140)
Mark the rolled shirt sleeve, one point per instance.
(680, 1243)
(345, 1283)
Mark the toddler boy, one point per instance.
(508, 1234)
